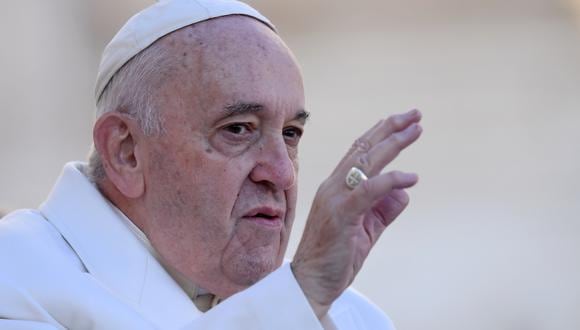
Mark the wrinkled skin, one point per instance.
(216, 193)
(211, 169)
(343, 224)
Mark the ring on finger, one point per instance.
(354, 177)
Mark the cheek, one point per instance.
(194, 189)
(191, 209)
(291, 200)
(296, 164)
(293, 155)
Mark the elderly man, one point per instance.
(182, 216)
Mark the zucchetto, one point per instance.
(158, 20)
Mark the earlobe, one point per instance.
(117, 139)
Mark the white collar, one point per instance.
(190, 288)
(111, 253)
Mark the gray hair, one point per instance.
(131, 91)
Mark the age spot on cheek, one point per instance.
(185, 61)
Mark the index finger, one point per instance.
(395, 123)
(374, 136)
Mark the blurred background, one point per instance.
(492, 237)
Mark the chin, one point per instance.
(248, 270)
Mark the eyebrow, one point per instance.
(302, 116)
(242, 108)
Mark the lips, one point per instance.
(265, 215)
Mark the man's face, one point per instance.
(221, 181)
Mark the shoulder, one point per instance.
(28, 242)
(22, 223)
(18, 220)
(24, 231)
(34, 253)
(43, 280)
(354, 308)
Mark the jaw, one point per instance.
(254, 251)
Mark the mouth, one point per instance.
(267, 216)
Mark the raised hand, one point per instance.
(345, 222)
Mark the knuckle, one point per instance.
(316, 202)
(349, 205)
(361, 144)
(395, 177)
(383, 123)
(352, 149)
(398, 139)
(364, 161)
(324, 187)
(396, 123)
(366, 188)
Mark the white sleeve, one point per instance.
(24, 325)
(353, 311)
(275, 302)
(19, 310)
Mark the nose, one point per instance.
(274, 165)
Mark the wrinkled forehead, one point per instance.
(229, 60)
(227, 39)
(229, 50)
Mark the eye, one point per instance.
(239, 133)
(292, 135)
(239, 128)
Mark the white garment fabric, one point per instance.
(194, 292)
(74, 264)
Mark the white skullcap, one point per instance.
(158, 20)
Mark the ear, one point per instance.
(118, 140)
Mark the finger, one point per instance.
(384, 212)
(393, 124)
(390, 207)
(368, 192)
(385, 152)
(376, 134)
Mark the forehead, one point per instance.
(233, 59)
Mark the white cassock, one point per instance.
(75, 264)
